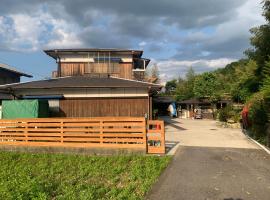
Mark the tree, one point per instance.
(190, 75)
(184, 89)
(155, 72)
(261, 42)
(206, 85)
(171, 86)
(246, 83)
(180, 92)
(190, 78)
(265, 89)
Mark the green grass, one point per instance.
(62, 176)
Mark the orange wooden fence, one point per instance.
(156, 136)
(99, 132)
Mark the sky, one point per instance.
(174, 34)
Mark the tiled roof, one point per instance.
(83, 82)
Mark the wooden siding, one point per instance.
(126, 71)
(101, 107)
(71, 69)
(121, 70)
(7, 77)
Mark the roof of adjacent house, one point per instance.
(55, 52)
(82, 82)
(13, 70)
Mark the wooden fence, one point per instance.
(100, 132)
(155, 137)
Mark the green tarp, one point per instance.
(25, 109)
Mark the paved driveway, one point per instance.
(212, 163)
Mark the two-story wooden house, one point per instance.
(93, 83)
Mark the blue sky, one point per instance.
(175, 34)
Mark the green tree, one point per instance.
(261, 43)
(181, 90)
(171, 86)
(184, 89)
(190, 78)
(265, 89)
(206, 85)
(246, 83)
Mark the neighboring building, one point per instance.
(93, 83)
(188, 107)
(9, 74)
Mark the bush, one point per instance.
(223, 115)
(228, 113)
(258, 117)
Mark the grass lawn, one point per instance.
(62, 176)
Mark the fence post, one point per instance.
(145, 122)
(62, 131)
(101, 131)
(26, 131)
(163, 137)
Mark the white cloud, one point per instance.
(142, 44)
(64, 35)
(64, 39)
(174, 68)
(27, 30)
(211, 36)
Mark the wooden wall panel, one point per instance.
(126, 70)
(71, 69)
(104, 107)
(121, 70)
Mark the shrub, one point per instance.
(258, 117)
(228, 113)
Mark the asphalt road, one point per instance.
(215, 173)
(212, 163)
